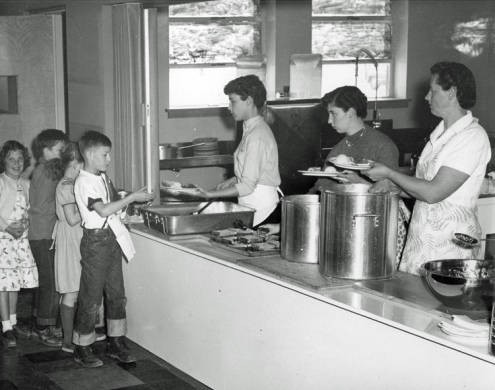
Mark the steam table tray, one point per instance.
(247, 242)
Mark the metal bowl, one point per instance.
(465, 285)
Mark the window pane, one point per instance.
(351, 7)
(215, 8)
(341, 40)
(210, 43)
(200, 87)
(338, 75)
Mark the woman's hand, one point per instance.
(202, 193)
(353, 177)
(377, 172)
(15, 229)
(227, 183)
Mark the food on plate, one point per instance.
(171, 184)
(330, 169)
(316, 169)
(343, 159)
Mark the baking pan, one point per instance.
(183, 218)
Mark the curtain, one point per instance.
(128, 142)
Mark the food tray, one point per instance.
(182, 218)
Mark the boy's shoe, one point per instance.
(116, 349)
(23, 331)
(57, 332)
(47, 337)
(69, 348)
(85, 357)
(100, 334)
(10, 339)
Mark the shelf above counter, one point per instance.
(194, 162)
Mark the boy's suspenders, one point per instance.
(105, 183)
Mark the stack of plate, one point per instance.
(205, 146)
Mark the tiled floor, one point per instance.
(34, 366)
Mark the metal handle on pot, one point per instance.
(375, 216)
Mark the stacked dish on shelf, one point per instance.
(207, 146)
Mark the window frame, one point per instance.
(385, 19)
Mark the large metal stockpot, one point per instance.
(300, 228)
(358, 232)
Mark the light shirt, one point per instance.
(464, 147)
(256, 157)
(88, 190)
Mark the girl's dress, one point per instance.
(67, 241)
(17, 266)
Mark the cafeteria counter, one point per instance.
(239, 322)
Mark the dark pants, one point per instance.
(47, 298)
(101, 273)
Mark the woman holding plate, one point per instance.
(257, 177)
(449, 172)
(347, 109)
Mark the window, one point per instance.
(340, 29)
(205, 39)
(8, 95)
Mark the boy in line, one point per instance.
(104, 241)
(46, 148)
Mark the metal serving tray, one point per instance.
(182, 218)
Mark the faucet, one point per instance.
(375, 122)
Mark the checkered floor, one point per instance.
(33, 366)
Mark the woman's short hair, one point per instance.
(10, 146)
(347, 97)
(454, 74)
(245, 86)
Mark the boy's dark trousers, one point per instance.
(101, 272)
(47, 298)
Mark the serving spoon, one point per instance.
(467, 241)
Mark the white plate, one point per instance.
(464, 339)
(352, 166)
(331, 175)
(182, 191)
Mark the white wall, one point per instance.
(26, 51)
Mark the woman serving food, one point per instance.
(449, 172)
(256, 171)
(347, 109)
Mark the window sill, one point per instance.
(188, 112)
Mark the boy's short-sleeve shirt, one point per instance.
(88, 190)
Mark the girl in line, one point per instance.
(67, 235)
(17, 266)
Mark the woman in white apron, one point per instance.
(449, 173)
(256, 171)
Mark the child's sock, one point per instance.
(13, 319)
(6, 325)
(67, 318)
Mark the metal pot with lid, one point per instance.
(358, 232)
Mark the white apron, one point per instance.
(263, 200)
(432, 226)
